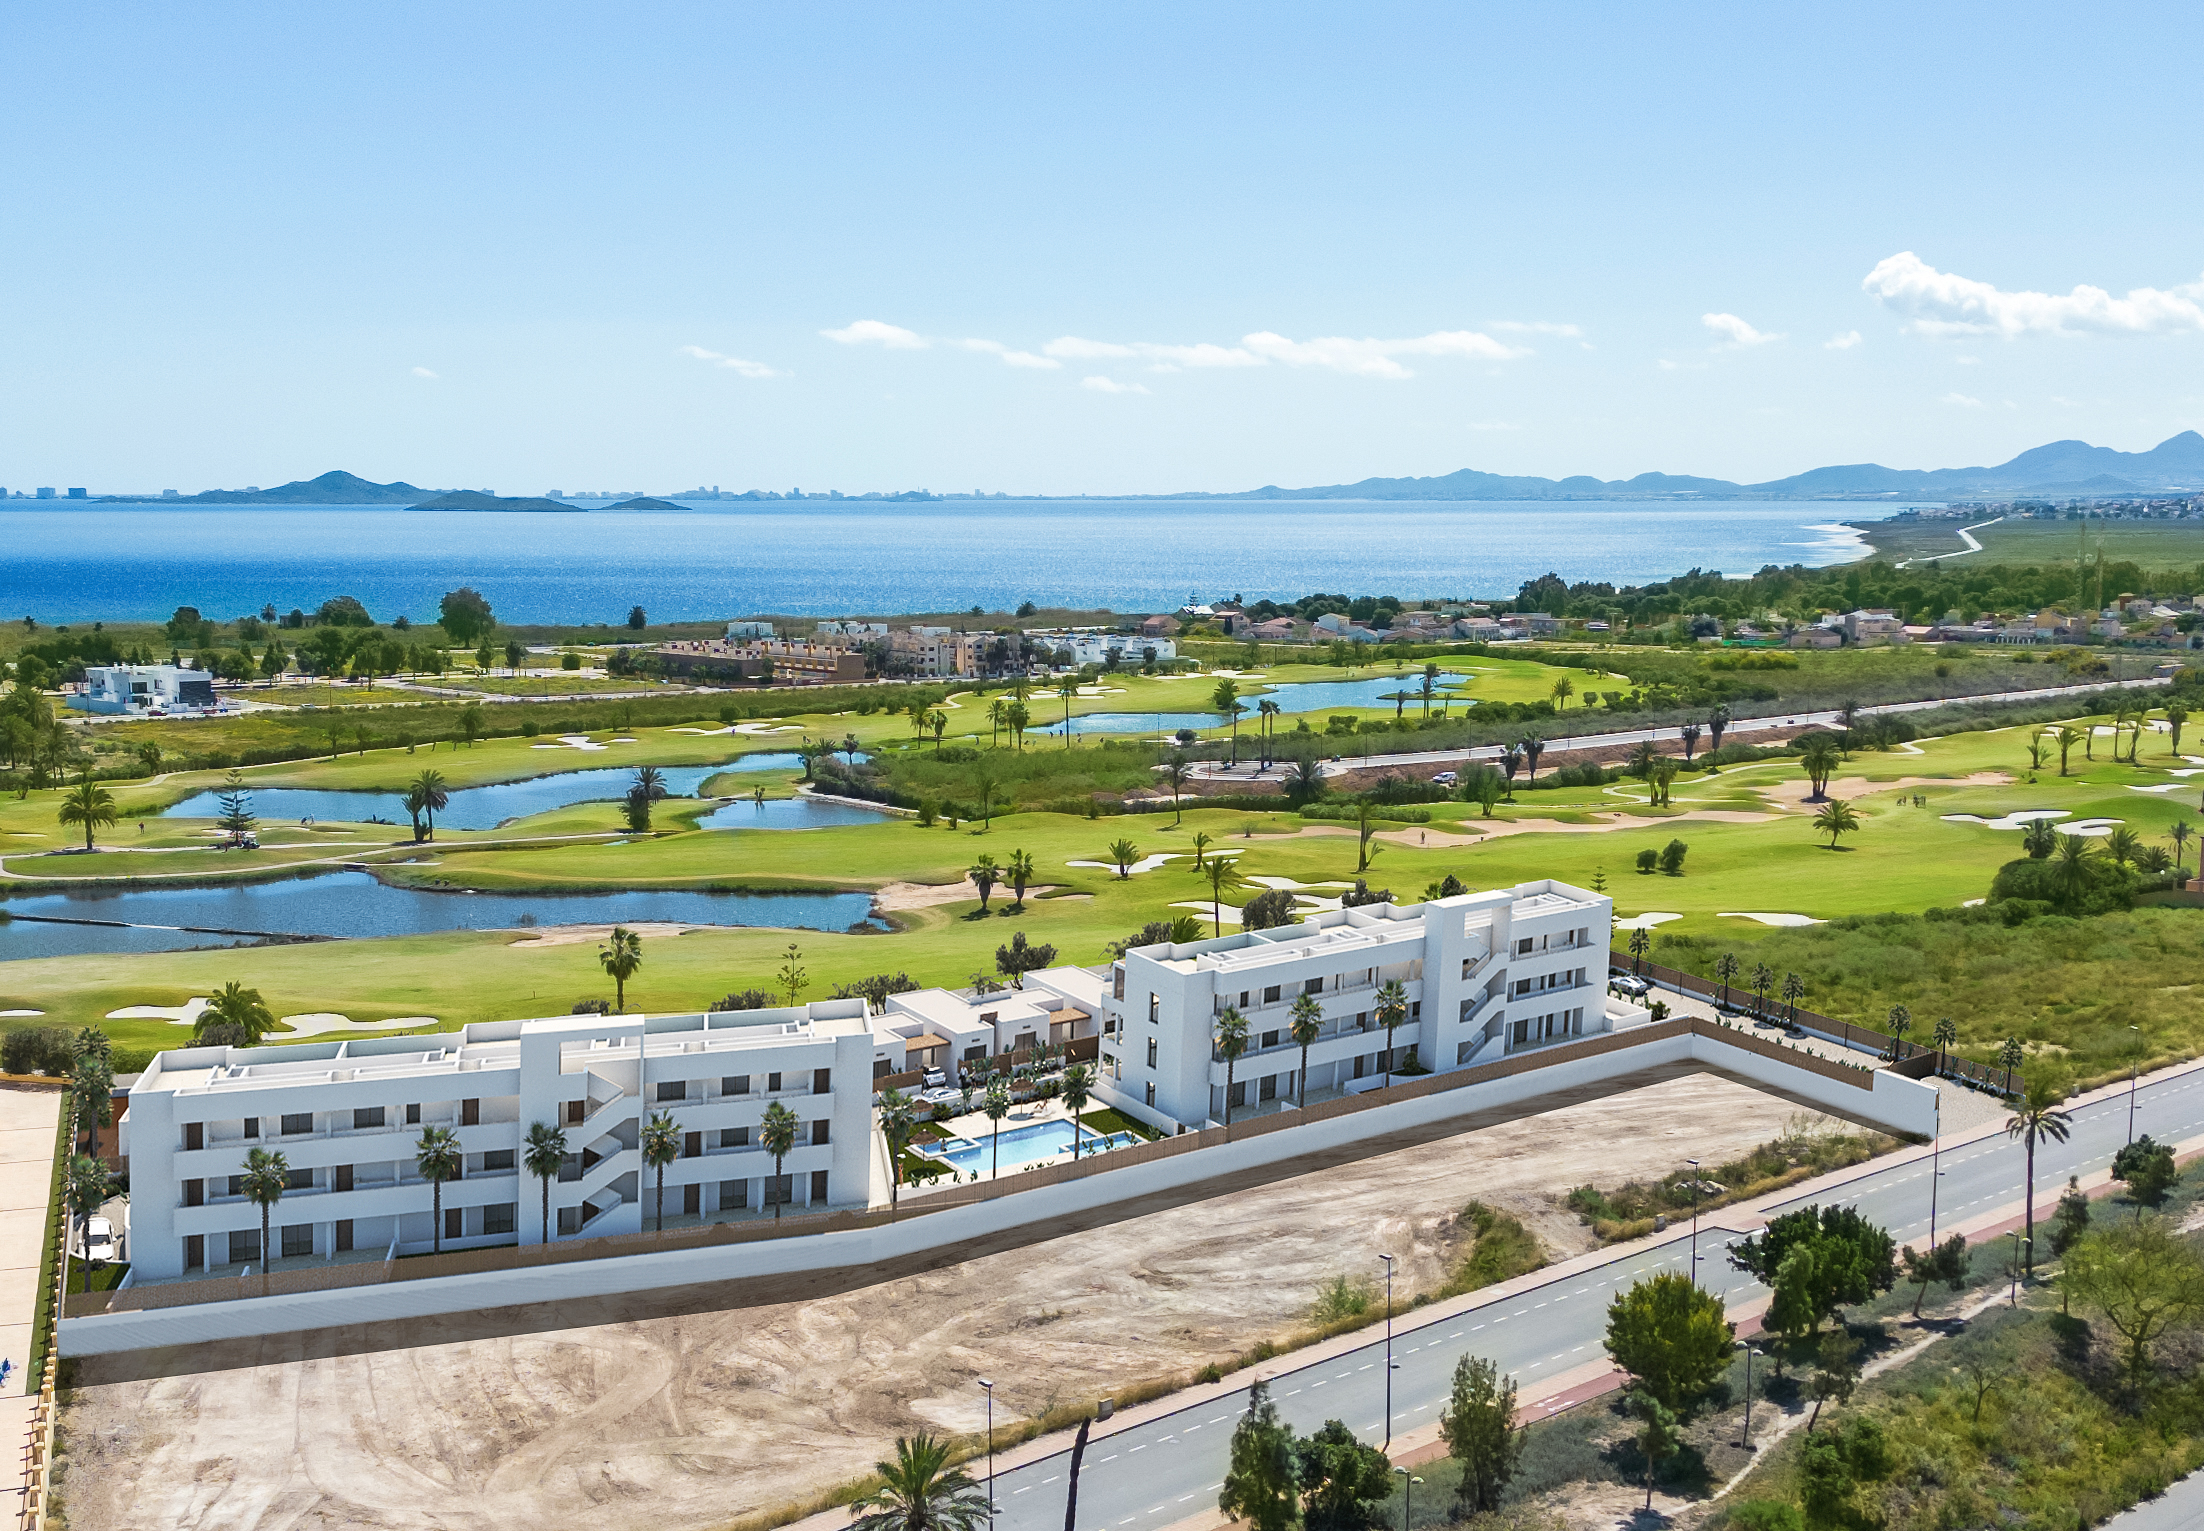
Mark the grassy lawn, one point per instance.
(2155, 545)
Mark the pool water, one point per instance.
(1022, 1145)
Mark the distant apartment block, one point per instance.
(145, 689)
(1092, 646)
(783, 664)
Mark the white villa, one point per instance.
(151, 688)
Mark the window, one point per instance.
(470, 1113)
(818, 1188)
(195, 1251)
(500, 1217)
(1270, 1039)
(1313, 986)
(780, 1190)
(972, 1054)
(672, 1089)
(1117, 981)
(195, 1135)
(692, 1144)
(1269, 1090)
(1151, 1092)
(298, 1240)
(570, 1221)
(1523, 947)
(1243, 999)
(1415, 1010)
(735, 1084)
(245, 1245)
(252, 1130)
(734, 1195)
(413, 1114)
(734, 1137)
(344, 1236)
(1270, 995)
(237, 1185)
(195, 1193)
(365, 1117)
(1155, 1008)
(576, 1110)
(1151, 1052)
(296, 1122)
(692, 1200)
(497, 1159)
(298, 1180)
(822, 1081)
(455, 1223)
(819, 1132)
(1239, 1092)
(340, 1178)
(772, 1084)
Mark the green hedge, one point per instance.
(42, 1316)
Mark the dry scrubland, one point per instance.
(629, 1418)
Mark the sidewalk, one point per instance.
(28, 1118)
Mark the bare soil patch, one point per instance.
(1852, 787)
(632, 1416)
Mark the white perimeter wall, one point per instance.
(1900, 1105)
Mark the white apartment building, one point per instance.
(152, 688)
(1487, 975)
(1092, 646)
(347, 1116)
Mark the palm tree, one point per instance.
(266, 1178)
(997, 711)
(777, 1136)
(1392, 1009)
(1225, 703)
(661, 1144)
(620, 959)
(1563, 689)
(1231, 1042)
(984, 874)
(1532, 747)
(1836, 817)
(1122, 854)
(1725, 968)
(898, 1125)
(938, 721)
(1016, 716)
(2067, 736)
(87, 803)
(2122, 844)
(235, 1005)
(920, 1491)
(1067, 688)
(1901, 1022)
(1306, 1023)
(2010, 1055)
(1175, 772)
(1946, 1034)
(1794, 990)
(2075, 868)
(1511, 761)
(1219, 872)
(1202, 842)
(1078, 1089)
(1429, 685)
(2036, 1117)
(1763, 978)
(2176, 715)
(1020, 873)
(416, 803)
(1641, 942)
(1268, 711)
(437, 1156)
(86, 1187)
(996, 1105)
(543, 1157)
(429, 785)
(2180, 835)
(1819, 758)
(2039, 839)
(1690, 735)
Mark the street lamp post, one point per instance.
(1694, 1163)
(2134, 1064)
(2012, 1298)
(1388, 1259)
(1407, 1494)
(1936, 1165)
(1750, 1350)
(989, 1388)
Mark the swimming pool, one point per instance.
(1022, 1145)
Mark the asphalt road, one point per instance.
(1827, 719)
(1153, 1474)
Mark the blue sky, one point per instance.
(1102, 248)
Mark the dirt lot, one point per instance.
(688, 1410)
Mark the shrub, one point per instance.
(749, 999)
(1267, 910)
(1672, 858)
(593, 1007)
(35, 1050)
(1341, 1297)
(1649, 861)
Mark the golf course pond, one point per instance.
(1293, 698)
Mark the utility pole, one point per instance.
(1388, 1259)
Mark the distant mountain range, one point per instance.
(2063, 468)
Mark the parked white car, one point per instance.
(100, 1246)
(1444, 779)
(1636, 988)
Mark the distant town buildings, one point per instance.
(781, 663)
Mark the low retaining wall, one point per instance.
(965, 1213)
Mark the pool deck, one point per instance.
(975, 1127)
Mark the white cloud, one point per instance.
(423, 372)
(1494, 425)
(877, 332)
(1940, 303)
(1844, 342)
(1375, 358)
(1009, 357)
(1537, 327)
(1736, 331)
(1962, 400)
(1204, 355)
(1110, 385)
(732, 363)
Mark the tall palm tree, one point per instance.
(1225, 703)
(620, 957)
(1268, 711)
(2073, 869)
(2175, 716)
(1176, 770)
(434, 795)
(660, 1140)
(1019, 871)
(920, 1491)
(1820, 758)
(2180, 835)
(1122, 854)
(265, 1179)
(985, 874)
(1946, 1034)
(1725, 968)
(1306, 1024)
(1219, 872)
(235, 1005)
(1641, 942)
(87, 803)
(898, 1125)
(2067, 736)
(777, 1136)
(543, 1156)
(2010, 1056)
(2123, 844)
(1763, 979)
(1532, 747)
(437, 1156)
(1231, 1042)
(995, 1104)
(997, 712)
(1067, 688)
(1429, 685)
(2036, 1117)
(1078, 1089)
(1901, 1022)
(1794, 990)
(1392, 1009)
(1836, 817)
(1201, 842)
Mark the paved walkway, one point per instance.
(27, 1121)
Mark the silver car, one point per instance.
(100, 1246)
